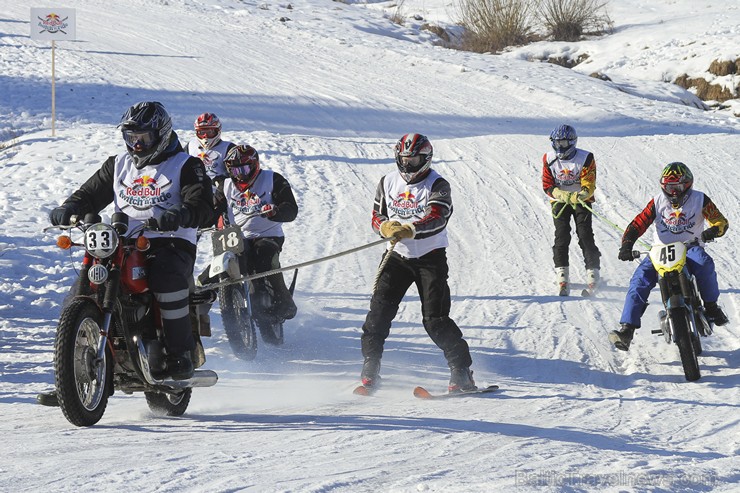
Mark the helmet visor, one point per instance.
(561, 144)
(675, 188)
(206, 133)
(140, 140)
(240, 172)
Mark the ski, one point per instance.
(364, 390)
(423, 393)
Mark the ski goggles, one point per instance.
(675, 188)
(206, 133)
(140, 140)
(412, 160)
(561, 143)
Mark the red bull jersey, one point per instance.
(148, 192)
(242, 206)
(408, 203)
(567, 172)
(682, 224)
(213, 159)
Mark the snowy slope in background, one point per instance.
(323, 97)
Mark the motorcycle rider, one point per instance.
(260, 200)
(211, 149)
(672, 212)
(155, 178)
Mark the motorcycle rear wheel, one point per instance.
(83, 385)
(168, 404)
(236, 315)
(683, 336)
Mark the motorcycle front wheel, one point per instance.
(683, 336)
(236, 314)
(82, 382)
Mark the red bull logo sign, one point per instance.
(53, 24)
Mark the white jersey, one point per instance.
(148, 192)
(213, 158)
(682, 224)
(567, 172)
(241, 205)
(407, 203)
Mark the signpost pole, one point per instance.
(53, 90)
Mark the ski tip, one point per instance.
(361, 390)
(422, 393)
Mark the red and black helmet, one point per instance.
(413, 156)
(243, 164)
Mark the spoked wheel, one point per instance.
(270, 325)
(685, 341)
(163, 404)
(236, 313)
(82, 381)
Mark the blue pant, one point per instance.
(698, 263)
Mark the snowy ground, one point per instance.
(323, 96)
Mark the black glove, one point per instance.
(61, 215)
(710, 233)
(170, 220)
(625, 252)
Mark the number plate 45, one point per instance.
(228, 240)
(667, 258)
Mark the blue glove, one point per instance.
(61, 215)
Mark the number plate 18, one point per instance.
(228, 239)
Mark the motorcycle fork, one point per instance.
(111, 293)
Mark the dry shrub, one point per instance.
(720, 68)
(438, 30)
(568, 20)
(705, 90)
(492, 25)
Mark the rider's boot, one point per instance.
(715, 314)
(461, 380)
(286, 307)
(180, 366)
(622, 338)
(48, 398)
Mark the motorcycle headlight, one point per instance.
(101, 240)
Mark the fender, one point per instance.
(227, 263)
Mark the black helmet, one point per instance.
(147, 131)
(676, 180)
(413, 156)
(563, 140)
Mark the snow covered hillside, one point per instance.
(323, 90)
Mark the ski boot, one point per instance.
(369, 378)
(461, 380)
(561, 274)
(593, 277)
(622, 338)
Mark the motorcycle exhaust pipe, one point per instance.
(201, 378)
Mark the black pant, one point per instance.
(170, 271)
(584, 230)
(429, 273)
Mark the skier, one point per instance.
(260, 200)
(668, 211)
(412, 206)
(569, 175)
(179, 197)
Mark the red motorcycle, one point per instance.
(110, 335)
